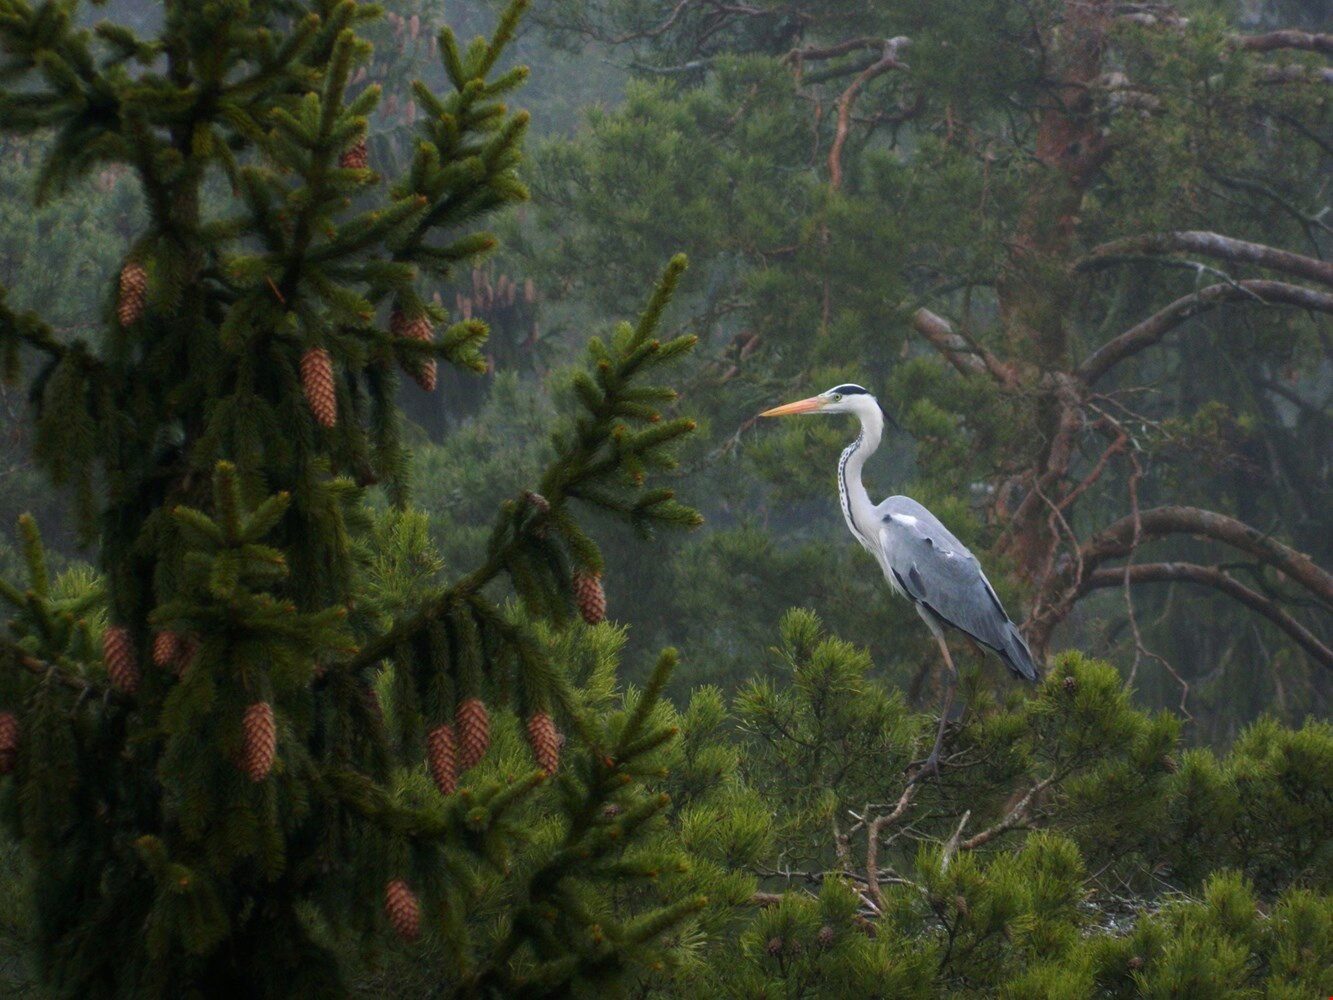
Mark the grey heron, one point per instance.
(920, 557)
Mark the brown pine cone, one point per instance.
(166, 648)
(133, 293)
(474, 731)
(544, 739)
(355, 157)
(9, 741)
(403, 910)
(442, 756)
(261, 741)
(418, 327)
(590, 596)
(122, 666)
(317, 381)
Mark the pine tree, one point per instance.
(230, 826)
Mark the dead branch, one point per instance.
(1212, 576)
(1113, 449)
(1117, 540)
(951, 848)
(813, 53)
(887, 61)
(1296, 74)
(969, 359)
(1015, 819)
(1209, 245)
(1151, 330)
(1150, 15)
(1272, 41)
(1120, 538)
(654, 32)
(874, 829)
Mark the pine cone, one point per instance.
(442, 755)
(590, 597)
(545, 741)
(355, 157)
(419, 327)
(133, 293)
(261, 741)
(166, 648)
(403, 909)
(474, 731)
(122, 666)
(9, 741)
(317, 381)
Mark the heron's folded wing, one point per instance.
(937, 570)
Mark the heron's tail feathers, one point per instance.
(1016, 655)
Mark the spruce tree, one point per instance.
(219, 752)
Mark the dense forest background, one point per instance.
(1082, 264)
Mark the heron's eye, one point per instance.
(837, 396)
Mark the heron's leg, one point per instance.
(931, 765)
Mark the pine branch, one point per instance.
(1217, 579)
(1150, 331)
(43, 669)
(1210, 245)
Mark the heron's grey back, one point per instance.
(934, 568)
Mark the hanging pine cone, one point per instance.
(403, 909)
(355, 157)
(122, 666)
(166, 648)
(590, 597)
(442, 756)
(418, 327)
(133, 293)
(474, 731)
(261, 741)
(9, 741)
(317, 381)
(545, 741)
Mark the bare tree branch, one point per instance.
(874, 829)
(1209, 245)
(1212, 576)
(1117, 540)
(1297, 74)
(813, 53)
(1015, 819)
(1272, 41)
(968, 358)
(1151, 330)
(887, 61)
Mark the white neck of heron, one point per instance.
(856, 505)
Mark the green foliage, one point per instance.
(949, 193)
(243, 567)
(1062, 853)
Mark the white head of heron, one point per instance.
(847, 398)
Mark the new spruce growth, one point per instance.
(246, 813)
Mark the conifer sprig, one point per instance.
(241, 769)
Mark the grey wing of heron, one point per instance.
(936, 570)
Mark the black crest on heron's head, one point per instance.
(850, 390)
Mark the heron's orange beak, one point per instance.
(800, 406)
